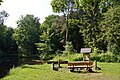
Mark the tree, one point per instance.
(52, 35)
(111, 28)
(59, 29)
(75, 36)
(63, 6)
(27, 34)
(3, 16)
(44, 46)
(2, 42)
(90, 19)
(8, 47)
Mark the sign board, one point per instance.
(85, 50)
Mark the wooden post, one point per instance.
(58, 63)
(83, 57)
(53, 66)
(86, 56)
(86, 53)
(95, 64)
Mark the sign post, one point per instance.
(86, 53)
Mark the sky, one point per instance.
(16, 8)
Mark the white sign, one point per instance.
(85, 50)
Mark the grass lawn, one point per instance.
(110, 71)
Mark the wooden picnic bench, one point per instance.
(80, 65)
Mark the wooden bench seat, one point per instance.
(69, 67)
(56, 62)
(80, 65)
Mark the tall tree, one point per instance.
(63, 6)
(45, 45)
(52, 35)
(8, 47)
(27, 34)
(111, 27)
(90, 19)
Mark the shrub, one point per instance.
(96, 54)
(78, 59)
(68, 48)
(95, 57)
(118, 58)
(105, 57)
(114, 48)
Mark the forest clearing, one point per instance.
(75, 36)
(109, 71)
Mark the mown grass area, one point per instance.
(110, 71)
(71, 57)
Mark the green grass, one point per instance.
(71, 57)
(110, 71)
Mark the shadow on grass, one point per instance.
(4, 72)
(29, 67)
(85, 72)
(5, 68)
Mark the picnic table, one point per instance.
(80, 65)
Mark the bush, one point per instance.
(118, 58)
(96, 54)
(68, 48)
(78, 59)
(95, 57)
(105, 57)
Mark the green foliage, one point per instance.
(80, 58)
(90, 22)
(44, 50)
(114, 48)
(8, 46)
(59, 29)
(111, 29)
(68, 49)
(70, 57)
(63, 6)
(104, 57)
(75, 36)
(51, 37)
(27, 34)
(59, 6)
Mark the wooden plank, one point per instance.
(56, 62)
(80, 63)
(69, 67)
